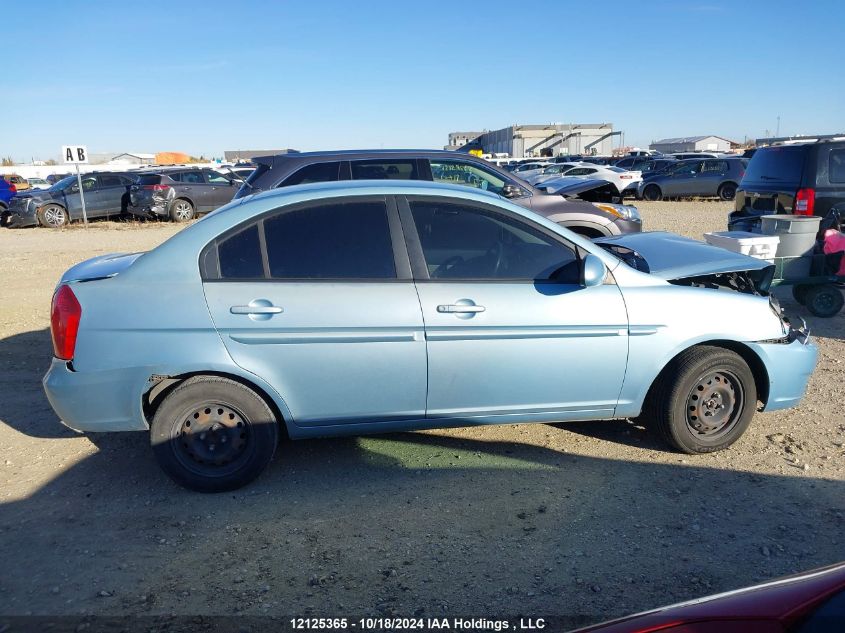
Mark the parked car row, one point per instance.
(178, 194)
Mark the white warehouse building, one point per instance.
(692, 144)
(554, 139)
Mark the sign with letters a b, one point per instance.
(75, 153)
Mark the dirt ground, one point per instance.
(588, 520)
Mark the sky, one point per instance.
(205, 76)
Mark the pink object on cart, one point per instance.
(834, 242)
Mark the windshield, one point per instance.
(67, 181)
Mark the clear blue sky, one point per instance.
(202, 77)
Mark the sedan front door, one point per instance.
(511, 332)
(314, 299)
(221, 189)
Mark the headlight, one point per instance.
(624, 211)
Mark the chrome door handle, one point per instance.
(256, 309)
(460, 309)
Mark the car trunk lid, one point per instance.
(101, 267)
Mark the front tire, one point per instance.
(704, 400)
(212, 434)
(53, 216)
(182, 210)
(652, 193)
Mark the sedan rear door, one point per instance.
(318, 300)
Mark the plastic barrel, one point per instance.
(797, 233)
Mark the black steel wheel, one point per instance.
(824, 300)
(727, 191)
(212, 434)
(652, 193)
(703, 400)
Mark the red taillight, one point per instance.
(13, 188)
(155, 187)
(805, 202)
(65, 314)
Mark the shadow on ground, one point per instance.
(416, 523)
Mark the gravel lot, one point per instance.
(582, 519)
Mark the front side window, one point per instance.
(339, 240)
(465, 242)
(216, 179)
(400, 169)
(460, 173)
(318, 172)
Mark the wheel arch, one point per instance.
(182, 197)
(754, 362)
(161, 386)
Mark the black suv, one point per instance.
(802, 179)
(591, 219)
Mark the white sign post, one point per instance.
(77, 154)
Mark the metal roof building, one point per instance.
(693, 144)
(554, 139)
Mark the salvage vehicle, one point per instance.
(365, 307)
(800, 178)
(809, 602)
(7, 192)
(711, 177)
(589, 218)
(623, 180)
(20, 183)
(106, 194)
(180, 194)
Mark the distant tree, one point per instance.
(8, 162)
(50, 162)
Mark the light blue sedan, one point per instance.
(365, 307)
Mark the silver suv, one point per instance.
(589, 218)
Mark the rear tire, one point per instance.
(212, 434)
(652, 193)
(182, 210)
(703, 400)
(824, 300)
(727, 191)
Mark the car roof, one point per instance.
(366, 153)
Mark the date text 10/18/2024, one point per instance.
(416, 624)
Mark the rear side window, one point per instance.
(240, 255)
(776, 165)
(318, 172)
(110, 181)
(836, 165)
(384, 170)
(719, 166)
(331, 241)
(149, 179)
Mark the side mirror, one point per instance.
(593, 271)
(511, 191)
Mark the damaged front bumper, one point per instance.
(789, 364)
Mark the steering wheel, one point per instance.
(498, 251)
(445, 266)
